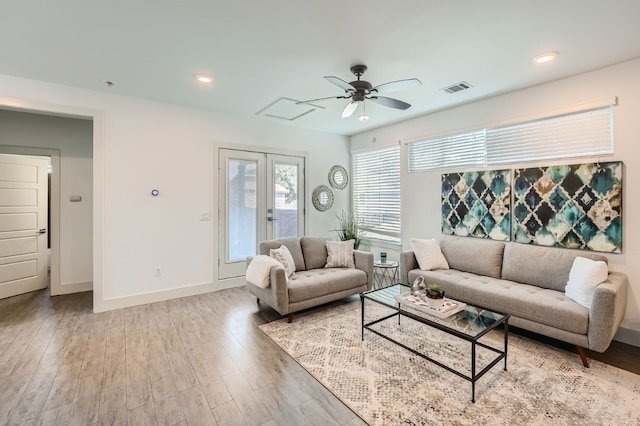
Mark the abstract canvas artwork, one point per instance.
(577, 206)
(477, 204)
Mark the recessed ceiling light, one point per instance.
(546, 57)
(204, 78)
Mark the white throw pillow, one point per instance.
(283, 255)
(259, 270)
(584, 277)
(428, 254)
(340, 254)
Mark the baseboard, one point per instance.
(628, 336)
(73, 288)
(159, 296)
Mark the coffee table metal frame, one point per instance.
(388, 299)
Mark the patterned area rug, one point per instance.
(387, 385)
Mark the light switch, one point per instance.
(75, 198)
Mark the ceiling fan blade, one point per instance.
(321, 99)
(394, 86)
(340, 83)
(349, 109)
(390, 102)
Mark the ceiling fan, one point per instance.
(359, 90)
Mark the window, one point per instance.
(376, 193)
(578, 134)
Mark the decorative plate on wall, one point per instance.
(322, 198)
(338, 177)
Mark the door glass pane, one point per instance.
(241, 209)
(286, 200)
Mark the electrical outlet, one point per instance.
(204, 216)
(157, 270)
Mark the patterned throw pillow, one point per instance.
(340, 254)
(283, 255)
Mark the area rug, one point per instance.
(387, 385)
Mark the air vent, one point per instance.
(458, 87)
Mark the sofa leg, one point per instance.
(258, 300)
(290, 318)
(583, 356)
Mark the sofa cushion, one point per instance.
(340, 254)
(546, 267)
(428, 254)
(305, 285)
(468, 254)
(584, 277)
(314, 250)
(283, 256)
(293, 244)
(533, 303)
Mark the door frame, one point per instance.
(97, 118)
(54, 207)
(217, 205)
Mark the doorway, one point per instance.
(68, 144)
(261, 198)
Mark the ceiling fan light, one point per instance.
(545, 58)
(363, 118)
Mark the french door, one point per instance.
(261, 198)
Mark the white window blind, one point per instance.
(376, 192)
(583, 134)
(451, 151)
(578, 134)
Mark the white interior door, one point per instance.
(23, 224)
(261, 197)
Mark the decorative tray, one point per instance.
(450, 306)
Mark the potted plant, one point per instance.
(348, 228)
(435, 296)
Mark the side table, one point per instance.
(385, 274)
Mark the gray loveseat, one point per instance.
(527, 282)
(312, 284)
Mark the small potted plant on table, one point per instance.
(435, 296)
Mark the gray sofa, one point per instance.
(528, 283)
(312, 284)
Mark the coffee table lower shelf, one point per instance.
(386, 297)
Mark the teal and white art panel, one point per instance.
(577, 206)
(477, 204)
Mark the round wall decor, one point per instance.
(322, 198)
(338, 177)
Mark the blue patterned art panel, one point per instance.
(577, 206)
(477, 204)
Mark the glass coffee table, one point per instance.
(470, 324)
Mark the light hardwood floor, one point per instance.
(198, 360)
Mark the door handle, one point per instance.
(42, 231)
(271, 219)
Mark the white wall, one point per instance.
(421, 191)
(73, 138)
(143, 145)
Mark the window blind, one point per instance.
(583, 134)
(376, 192)
(578, 134)
(451, 151)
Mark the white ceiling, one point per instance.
(259, 51)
